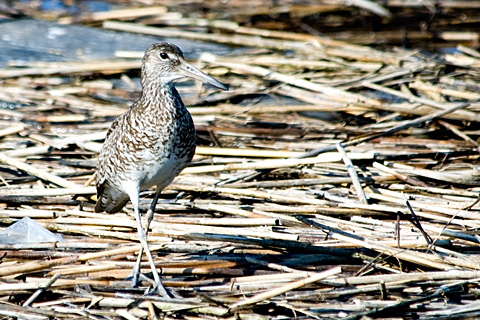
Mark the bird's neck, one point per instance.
(151, 88)
(162, 96)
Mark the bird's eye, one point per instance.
(163, 55)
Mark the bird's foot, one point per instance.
(163, 292)
(137, 276)
(156, 288)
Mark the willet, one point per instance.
(150, 144)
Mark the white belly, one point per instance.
(159, 173)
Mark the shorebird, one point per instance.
(150, 144)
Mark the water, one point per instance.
(78, 7)
(28, 40)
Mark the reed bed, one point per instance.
(333, 180)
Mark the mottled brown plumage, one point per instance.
(151, 143)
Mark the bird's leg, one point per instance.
(142, 236)
(136, 270)
(151, 211)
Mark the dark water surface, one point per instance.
(28, 40)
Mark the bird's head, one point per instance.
(164, 62)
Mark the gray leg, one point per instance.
(151, 211)
(142, 236)
(136, 270)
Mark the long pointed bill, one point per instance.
(187, 70)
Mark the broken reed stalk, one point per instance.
(269, 164)
(35, 266)
(302, 83)
(415, 257)
(36, 172)
(130, 13)
(297, 284)
(71, 68)
(34, 296)
(198, 36)
(353, 174)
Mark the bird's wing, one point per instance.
(110, 142)
(105, 192)
(113, 126)
(109, 199)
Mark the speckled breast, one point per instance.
(171, 152)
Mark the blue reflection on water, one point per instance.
(96, 6)
(52, 5)
(89, 6)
